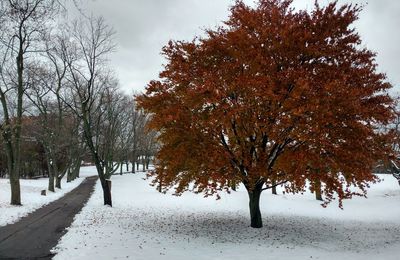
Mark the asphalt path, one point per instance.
(36, 234)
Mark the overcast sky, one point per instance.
(143, 27)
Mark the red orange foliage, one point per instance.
(273, 96)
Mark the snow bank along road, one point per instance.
(34, 235)
(144, 224)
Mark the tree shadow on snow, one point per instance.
(291, 231)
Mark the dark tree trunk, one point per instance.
(274, 188)
(15, 190)
(69, 175)
(59, 177)
(12, 163)
(75, 169)
(106, 191)
(51, 174)
(159, 188)
(318, 192)
(15, 173)
(254, 205)
(14, 178)
(127, 166)
(133, 166)
(51, 182)
(58, 182)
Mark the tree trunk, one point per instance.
(318, 192)
(58, 182)
(127, 166)
(51, 174)
(159, 188)
(12, 172)
(254, 205)
(274, 188)
(13, 165)
(106, 191)
(15, 190)
(69, 175)
(76, 169)
(133, 166)
(147, 163)
(51, 183)
(15, 185)
(59, 177)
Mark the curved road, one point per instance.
(36, 234)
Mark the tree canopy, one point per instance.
(273, 96)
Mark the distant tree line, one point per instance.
(135, 153)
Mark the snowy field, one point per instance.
(30, 196)
(144, 224)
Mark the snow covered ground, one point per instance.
(30, 196)
(144, 224)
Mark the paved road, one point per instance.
(34, 235)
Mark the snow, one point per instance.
(145, 224)
(87, 171)
(31, 197)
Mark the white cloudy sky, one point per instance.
(144, 26)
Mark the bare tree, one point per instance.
(23, 22)
(89, 79)
(108, 128)
(55, 122)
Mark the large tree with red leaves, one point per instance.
(274, 96)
